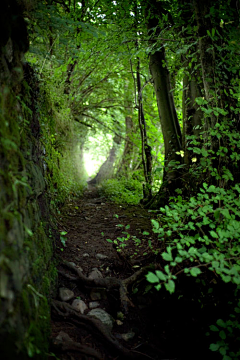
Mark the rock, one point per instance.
(72, 263)
(85, 255)
(101, 257)
(93, 304)
(128, 336)
(62, 336)
(95, 274)
(65, 294)
(79, 305)
(103, 316)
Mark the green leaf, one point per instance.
(226, 357)
(152, 278)
(221, 323)
(214, 347)
(222, 334)
(226, 279)
(222, 350)
(214, 328)
(161, 275)
(167, 256)
(195, 271)
(155, 224)
(170, 286)
(213, 234)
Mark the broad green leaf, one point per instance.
(155, 224)
(214, 347)
(222, 334)
(170, 286)
(195, 271)
(221, 323)
(167, 256)
(214, 328)
(161, 275)
(152, 278)
(213, 234)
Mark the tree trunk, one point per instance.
(125, 166)
(166, 108)
(146, 149)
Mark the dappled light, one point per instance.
(92, 162)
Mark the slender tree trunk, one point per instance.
(146, 149)
(125, 166)
(166, 108)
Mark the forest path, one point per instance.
(88, 223)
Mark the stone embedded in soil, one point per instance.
(128, 336)
(101, 257)
(85, 255)
(94, 304)
(72, 263)
(103, 316)
(65, 294)
(95, 274)
(79, 305)
(62, 336)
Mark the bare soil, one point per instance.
(164, 326)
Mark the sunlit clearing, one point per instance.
(92, 164)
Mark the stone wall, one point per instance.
(27, 271)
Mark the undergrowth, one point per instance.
(122, 191)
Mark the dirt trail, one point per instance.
(88, 223)
(134, 324)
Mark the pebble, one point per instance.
(79, 305)
(128, 336)
(63, 336)
(72, 263)
(103, 316)
(85, 255)
(95, 274)
(94, 304)
(101, 257)
(65, 294)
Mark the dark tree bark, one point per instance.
(166, 108)
(146, 149)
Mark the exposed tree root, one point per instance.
(66, 311)
(67, 344)
(109, 282)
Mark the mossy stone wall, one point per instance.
(27, 269)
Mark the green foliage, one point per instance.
(227, 334)
(122, 191)
(63, 238)
(203, 233)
